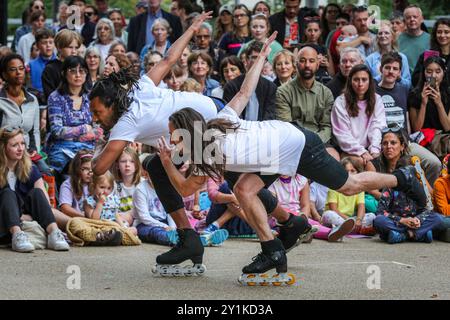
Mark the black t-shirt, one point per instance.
(337, 85)
(395, 103)
(431, 114)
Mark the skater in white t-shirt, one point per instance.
(261, 151)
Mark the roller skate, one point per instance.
(189, 247)
(409, 184)
(421, 176)
(295, 231)
(273, 256)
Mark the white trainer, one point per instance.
(21, 242)
(57, 242)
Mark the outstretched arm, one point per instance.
(241, 99)
(174, 53)
(110, 153)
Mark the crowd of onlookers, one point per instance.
(376, 92)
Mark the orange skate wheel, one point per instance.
(251, 284)
(292, 281)
(276, 284)
(264, 275)
(415, 159)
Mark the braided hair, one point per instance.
(114, 90)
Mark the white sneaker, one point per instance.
(21, 243)
(57, 242)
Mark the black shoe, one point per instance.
(291, 231)
(189, 246)
(411, 186)
(108, 238)
(265, 262)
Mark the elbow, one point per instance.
(98, 169)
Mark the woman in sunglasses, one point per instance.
(398, 218)
(23, 196)
(71, 127)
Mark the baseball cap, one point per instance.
(142, 4)
(225, 7)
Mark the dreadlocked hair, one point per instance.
(213, 162)
(114, 90)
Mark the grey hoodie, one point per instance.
(25, 116)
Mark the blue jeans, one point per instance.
(429, 221)
(152, 234)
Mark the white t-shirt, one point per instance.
(318, 195)
(148, 117)
(12, 180)
(269, 147)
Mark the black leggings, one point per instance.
(35, 204)
(171, 199)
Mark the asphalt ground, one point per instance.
(354, 269)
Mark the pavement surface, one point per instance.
(353, 269)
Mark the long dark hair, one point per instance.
(188, 119)
(351, 98)
(434, 45)
(324, 22)
(69, 63)
(444, 86)
(113, 90)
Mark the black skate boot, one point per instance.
(294, 231)
(408, 182)
(189, 247)
(273, 256)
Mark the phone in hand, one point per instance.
(431, 81)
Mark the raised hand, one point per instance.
(266, 48)
(165, 150)
(198, 20)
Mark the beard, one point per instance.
(306, 74)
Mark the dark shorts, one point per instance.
(317, 164)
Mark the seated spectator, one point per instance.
(91, 13)
(75, 189)
(161, 32)
(341, 208)
(429, 107)
(23, 196)
(37, 20)
(398, 24)
(191, 85)
(174, 78)
(33, 6)
(328, 19)
(19, 108)
(342, 20)
(394, 97)
(259, 29)
(150, 219)
(398, 217)
(127, 172)
(114, 63)
(203, 42)
(46, 46)
(103, 203)
(117, 47)
(441, 199)
(262, 102)
(104, 37)
(358, 116)
(231, 42)
(135, 62)
(261, 7)
(82, 25)
(284, 67)
(413, 41)
(386, 42)
(200, 68)
(349, 39)
(94, 63)
(439, 45)
(118, 20)
(350, 57)
(360, 19)
(71, 126)
(224, 22)
(67, 43)
(230, 68)
(150, 60)
(183, 61)
(305, 100)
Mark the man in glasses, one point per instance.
(203, 41)
(290, 23)
(394, 96)
(140, 27)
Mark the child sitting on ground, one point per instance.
(103, 203)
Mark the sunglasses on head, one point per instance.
(11, 129)
(395, 128)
